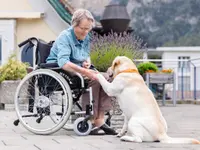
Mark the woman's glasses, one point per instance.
(84, 29)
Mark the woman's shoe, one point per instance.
(97, 131)
(108, 130)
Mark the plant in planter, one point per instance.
(147, 67)
(167, 71)
(105, 48)
(10, 75)
(150, 73)
(164, 75)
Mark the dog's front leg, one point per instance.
(112, 89)
(124, 128)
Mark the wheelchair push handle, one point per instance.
(29, 40)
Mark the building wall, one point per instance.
(27, 28)
(33, 28)
(15, 5)
(173, 55)
(52, 19)
(21, 29)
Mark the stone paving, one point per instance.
(183, 121)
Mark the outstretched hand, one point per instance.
(91, 74)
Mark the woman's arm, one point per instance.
(69, 66)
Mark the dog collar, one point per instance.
(128, 71)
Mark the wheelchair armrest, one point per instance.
(81, 78)
(49, 65)
(78, 75)
(54, 66)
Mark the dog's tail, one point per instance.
(168, 139)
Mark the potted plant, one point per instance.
(153, 76)
(10, 75)
(150, 70)
(147, 67)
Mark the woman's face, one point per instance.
(83, 29)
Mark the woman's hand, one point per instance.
(86, 64)
(91, 74)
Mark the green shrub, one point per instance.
(147, 67)
(105, 48)
(13, 69)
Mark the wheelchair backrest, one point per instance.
(43, 51)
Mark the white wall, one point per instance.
(174, 55)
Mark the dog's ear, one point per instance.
(117, 63)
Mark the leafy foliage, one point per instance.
(160, 22)
(147, 67)
(105, 48)
(13, 69)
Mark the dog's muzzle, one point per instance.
(110, 72)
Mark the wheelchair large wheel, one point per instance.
(43, 101)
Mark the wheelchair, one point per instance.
(46, 97)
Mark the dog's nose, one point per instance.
(110, 72)
(111, 75)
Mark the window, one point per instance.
(184, 64)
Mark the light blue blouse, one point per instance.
(67, 48)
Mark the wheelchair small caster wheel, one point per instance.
(81, 127)
(16, 122)
(38, 120)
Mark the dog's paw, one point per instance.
(119, 135)
(125, 138)
(131, 139)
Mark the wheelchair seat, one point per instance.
(48, 65)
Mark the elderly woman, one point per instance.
(71, 50)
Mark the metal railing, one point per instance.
(187, 78)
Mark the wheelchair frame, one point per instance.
(82, 125)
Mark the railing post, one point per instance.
(195, 84)
(147, 79)
(182, 85)
(163, 98)
(174, 89)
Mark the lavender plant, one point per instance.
(105, 48)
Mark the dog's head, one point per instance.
(119, 64)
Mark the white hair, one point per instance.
(81, 14)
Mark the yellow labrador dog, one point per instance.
(143, 118)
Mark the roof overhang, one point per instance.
(21, 15)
